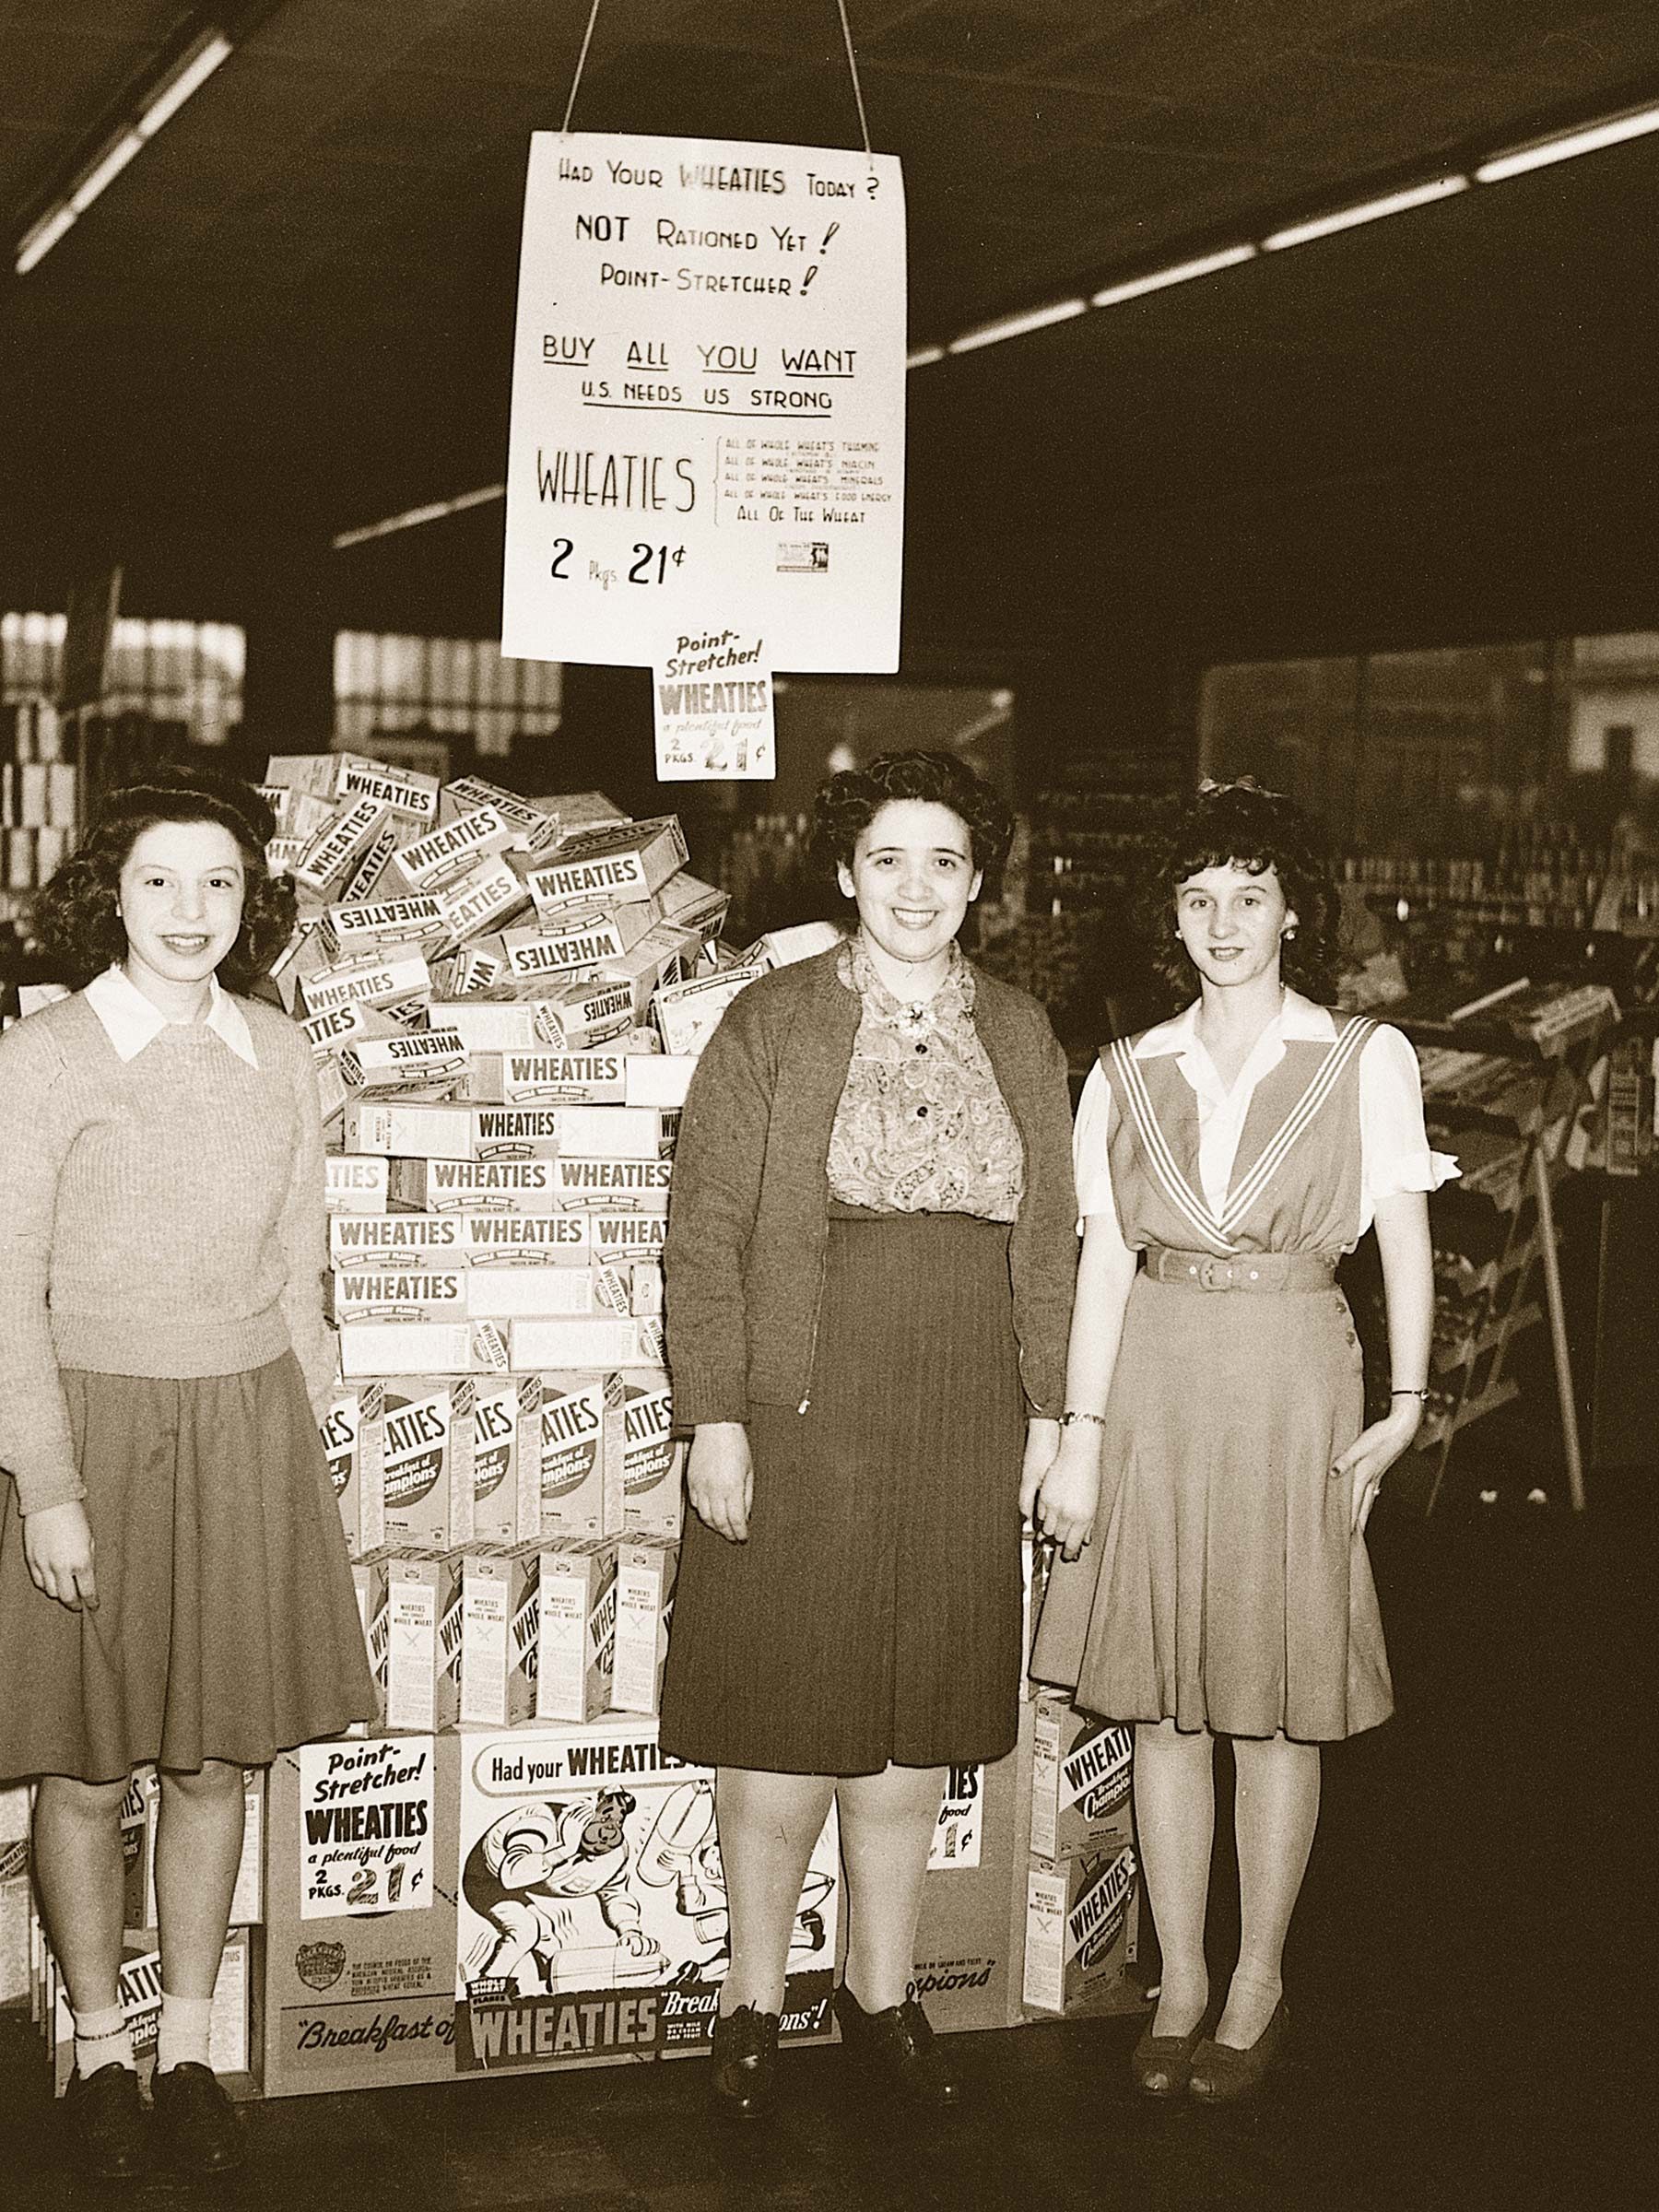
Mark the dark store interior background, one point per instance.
(1375, 518)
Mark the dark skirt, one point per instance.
(226, 1627)
(874, 1614)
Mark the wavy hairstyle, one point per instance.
(75, 915)
(848, 803)
(1241, 825)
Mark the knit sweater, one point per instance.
(159, 1215)
(748, 1211)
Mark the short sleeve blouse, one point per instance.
(922, 1126)
(1394, 1154)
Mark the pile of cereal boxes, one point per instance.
(505, 998)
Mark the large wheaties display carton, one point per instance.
(359, 1916)
(971, 1935)
(592, 1919)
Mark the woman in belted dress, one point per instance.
(1211, 1490)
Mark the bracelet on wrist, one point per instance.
(1409, 1393)
(1067, 1420)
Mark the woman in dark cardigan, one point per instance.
(870, 1258)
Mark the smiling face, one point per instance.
(1232, 923)
(914, 879)
(181, 905)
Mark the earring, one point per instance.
(1289, 933)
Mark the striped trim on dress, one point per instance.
(1272, 1158)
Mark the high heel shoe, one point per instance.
(744, 2061)
(896, 2051)
(1161, 2065)
(1221, 2075)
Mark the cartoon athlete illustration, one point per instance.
(551, 1878)
(683, 1849)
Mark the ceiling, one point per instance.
(293, 313)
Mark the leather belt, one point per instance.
(1248, 1271)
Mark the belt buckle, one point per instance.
(1216, 1274)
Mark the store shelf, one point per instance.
(1493, 1334)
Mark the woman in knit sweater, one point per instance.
(173, 1580)
(869, 1265)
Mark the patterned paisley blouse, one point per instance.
(922, 1127)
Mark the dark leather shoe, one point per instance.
(199, 2129)
(109, 2125)
(898, 2051)
(1222, 2076)
(745, 2062)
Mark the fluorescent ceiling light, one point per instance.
(1016, 327)
(192, 70)
(197, 67)
(1182, 273)
(924, 357)
(106, 173)
(1565, 144)
(412, 517)
(39, 241)
(1367, 211)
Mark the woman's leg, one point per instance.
(1175, 1813)
(198, 1849)
(78, 1874)
(886, 1830)
(767, 1825)
(1275, 1812)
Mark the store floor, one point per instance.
(1466, 1971)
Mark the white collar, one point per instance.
(131, 1021)
(1298, 1021)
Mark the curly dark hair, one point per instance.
(74, 918)
(848, 803)
(1242, 825)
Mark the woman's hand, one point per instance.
(720, 1479)
(1042, 1441)
(1061, 1501)
(1374, 1452)
(57, 1549)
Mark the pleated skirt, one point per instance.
(227, 1626)
(872, 1617)
(1225, 1588)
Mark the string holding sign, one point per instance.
(587, 39)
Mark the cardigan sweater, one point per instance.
(749, 1205)
(159, 1215)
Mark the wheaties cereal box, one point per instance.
(1082, 1925)
(645, 1578)
(472, 1641)
(402, 1621)
(652, 1463)
(358, 1974)
(506, 1419)
(577, 1490)
(970, 1933)
(1081, 1776)
(346, 1435)
(591, 1924)
(423, 1460)
(562, 1632)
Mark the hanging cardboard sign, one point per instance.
(708, 402)
(712, 704)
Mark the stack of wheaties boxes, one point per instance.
(1082, 1883)
(504, 998)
